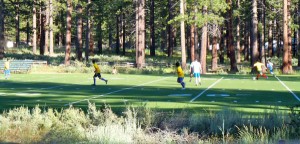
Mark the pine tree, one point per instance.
(68, 33)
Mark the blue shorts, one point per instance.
(196, 74)
(97, 75)
(6, 72)
(180, 79)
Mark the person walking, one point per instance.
(195, 69)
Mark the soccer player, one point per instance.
(196, 68)
(6, 70)
(97, 73)
(270, 67)
(180, 75)
(114, 71)
(259, 67)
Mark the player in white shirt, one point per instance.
(195, 68)
(270, 67)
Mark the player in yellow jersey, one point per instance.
(180, 74)
(260, 67)
(97, 73)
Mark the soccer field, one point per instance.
(237, 92)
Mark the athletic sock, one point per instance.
(182, 84)
(94, 81)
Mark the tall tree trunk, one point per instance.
(91, 44)
(197, 45)
(136, 30)
(27, 30)
(276, 34)
(42, 31)
(230, 42)
(290, 54)
(123, 33)
(79, 32)
(117, 34)
(298, 35)
(17, 23)
(261, 34)
(263, 19)
(51, 42)
(68, 33)
(110, 38)
(270, 40)
(286, 65)
(279, 36)
(192, 42)
(246, 42)
(47, 29)
(222, 45)
(120, 29)
(99, 27)
(170, 30)
(2, 38)
(182, 33)
(238, 46)
(188, 42)
(203, 43)
(61, 36)
(253, 42)
(34, 30)
(152, 29)
(163, 36)
(87, 31)
(214, 62)
(141, 34)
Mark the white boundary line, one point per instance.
(206, 89)
(288, 89)
(116, 91)
(48, 88)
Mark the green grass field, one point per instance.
(237, 92)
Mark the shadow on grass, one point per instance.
(118, 97)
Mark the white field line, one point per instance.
(26, 80)
(206, 90)
(116, 91)
(48, 88)
(288, 89)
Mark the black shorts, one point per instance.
(97, 75)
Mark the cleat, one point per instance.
(106, 81)
(93, 85)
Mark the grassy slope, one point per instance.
(59, 90)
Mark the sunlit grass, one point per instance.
(60, 90)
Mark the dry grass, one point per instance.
(137, 125)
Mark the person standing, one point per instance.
(180, 75)
(260, 67)
(195, 69)
(6, 70)
(270, 67)
(97, 73)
